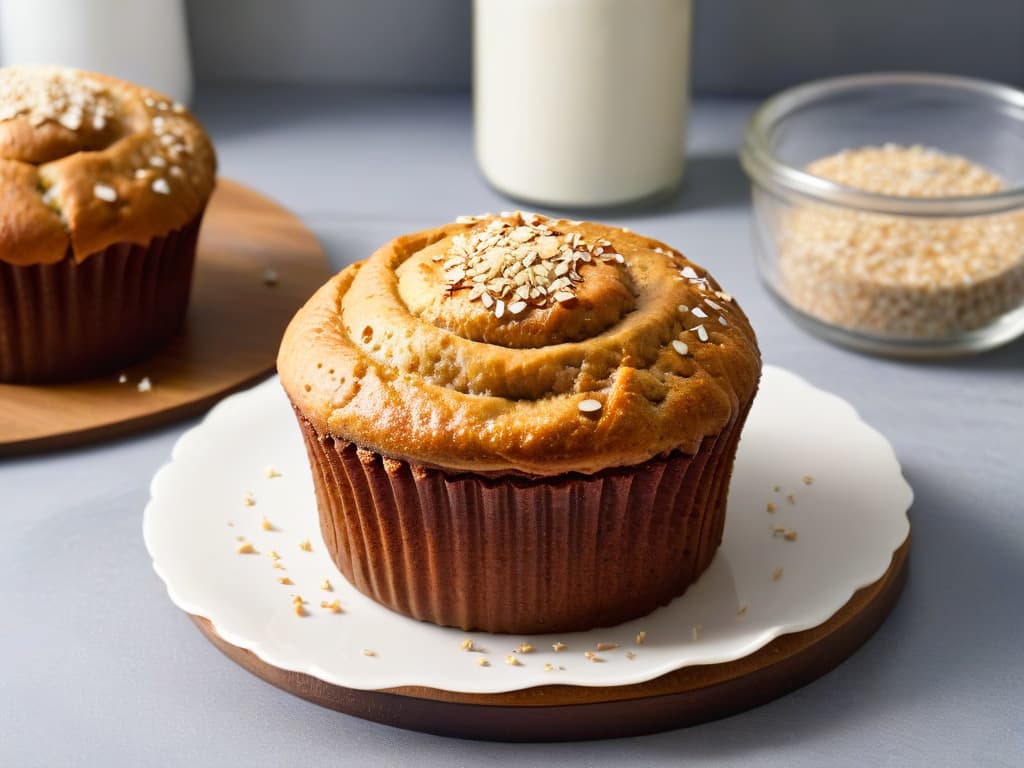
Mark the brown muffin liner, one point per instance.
(521, 555)
(75, 320)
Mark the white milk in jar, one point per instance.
(581, 102)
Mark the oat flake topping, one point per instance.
(520, 260)
(56, 95)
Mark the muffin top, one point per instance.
(521, 344)
(87, 161)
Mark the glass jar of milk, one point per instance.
(581, 102)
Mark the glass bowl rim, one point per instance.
(765, 168)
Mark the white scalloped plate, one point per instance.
(849, 520)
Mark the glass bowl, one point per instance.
(882, 271)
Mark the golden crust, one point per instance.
(64, 134)
(388, 356)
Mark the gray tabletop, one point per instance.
(98, 667)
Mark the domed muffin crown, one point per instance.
(87, 160)
(518, 343)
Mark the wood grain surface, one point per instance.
(566, 713)
(230, 339)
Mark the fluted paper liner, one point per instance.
(72, 320)
(516, 555)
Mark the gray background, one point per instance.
(741, 47)
(97, 667)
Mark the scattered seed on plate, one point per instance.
(246, 548)
(777, 574)
(559, 647)
(513, 661)
(266, 525)
(482, 662)
(467, 645)
(592, 656)
(305, 546)
(325, 585)
(741, 611)
(641, 637)
(368, 652)
(606, 646)
(808, 480)
(630, 655)
(285, 580)
(334, 606)
(524, 648)
(248, 499)
(270, 472)
(771, 507)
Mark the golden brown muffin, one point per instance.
(104, 184)
(521, 424)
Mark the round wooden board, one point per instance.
(234, 325)
(567, 713)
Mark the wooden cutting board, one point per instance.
(230, 339)
(566, 713)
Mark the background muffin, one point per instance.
(104, 185)
(520, 424)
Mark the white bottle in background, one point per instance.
(581, 102)
(142, 41)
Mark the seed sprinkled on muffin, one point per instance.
(520, 260)
(105, 192)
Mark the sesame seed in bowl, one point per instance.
(889, 210)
